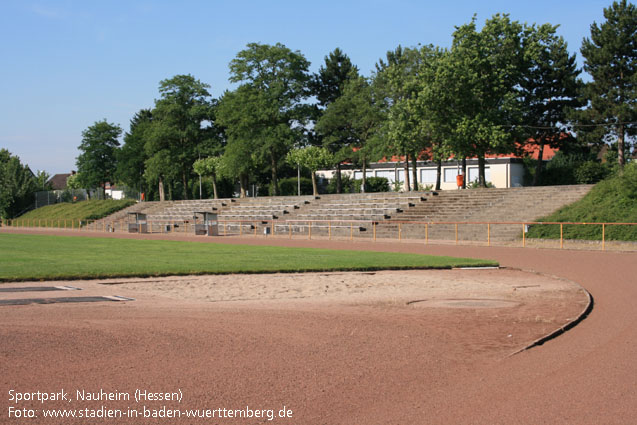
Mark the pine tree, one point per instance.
(611, 59)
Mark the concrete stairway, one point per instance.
(388, 215)
(523, 204)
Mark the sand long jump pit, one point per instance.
(332, 348)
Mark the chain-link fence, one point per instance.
(44, 198)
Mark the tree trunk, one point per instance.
(214, 187)
(339, 183)
(620, 147)
(184, 181)
(438, 174)
(314, 185)
(538, 166)
(407, 185)
(364, 182)
(243, 183)
(464, 172)
(414, 170)
(275, 182)
(481, 179)
(162, 196)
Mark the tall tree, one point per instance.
(350, 122)
(239, 115)
(179, 120)
(275, 81)
(328, 85)
(549, 88)
(131, 157)
(436, 105)
(97, 162)
(610, 57)
(396, 80)
(17, 185)
(329, 82)
(487, 66)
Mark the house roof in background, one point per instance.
(58, 181)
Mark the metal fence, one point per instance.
(459, 233)
(50, 197)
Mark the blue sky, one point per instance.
(67, 64)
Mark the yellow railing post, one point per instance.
(523, 236)
(488, 234)
(399, 232)
(329, 230)
(561, 235)
(374, 226)
(603, 236)
(255, 228)
(289, 231)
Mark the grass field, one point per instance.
(35, 257)
(613, 200)
(56, 215)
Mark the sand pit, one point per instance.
(513, 288)
(336, 348)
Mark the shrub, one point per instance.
(375, 184)
(289, 186)
(591, 172)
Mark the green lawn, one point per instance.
(613, 200)
(26, 257)
(56, 215)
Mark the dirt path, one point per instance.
(370, 360)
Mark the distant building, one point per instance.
(58, 181)
(502, 171)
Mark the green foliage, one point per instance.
(376, 184)
(351, 185)
(73, 181)
(289, 186)
(207, 166)
(268, 106)
(613, 200)
(97, 163)
(176, 132)
(549, 89)
(330, 81)
(485, 67)
(131, 157)
(348, 185)
(591, 172)
(17, 184)
(84, 210)
(476, 185)
(311, 157)
(42, 180)
(610, 57)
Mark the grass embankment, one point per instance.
(61, 215)
(613, 200)
(27, 257)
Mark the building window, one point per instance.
(389, 175)
(358, 175)
(474, 173)
(428, 175)
(450, 175)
